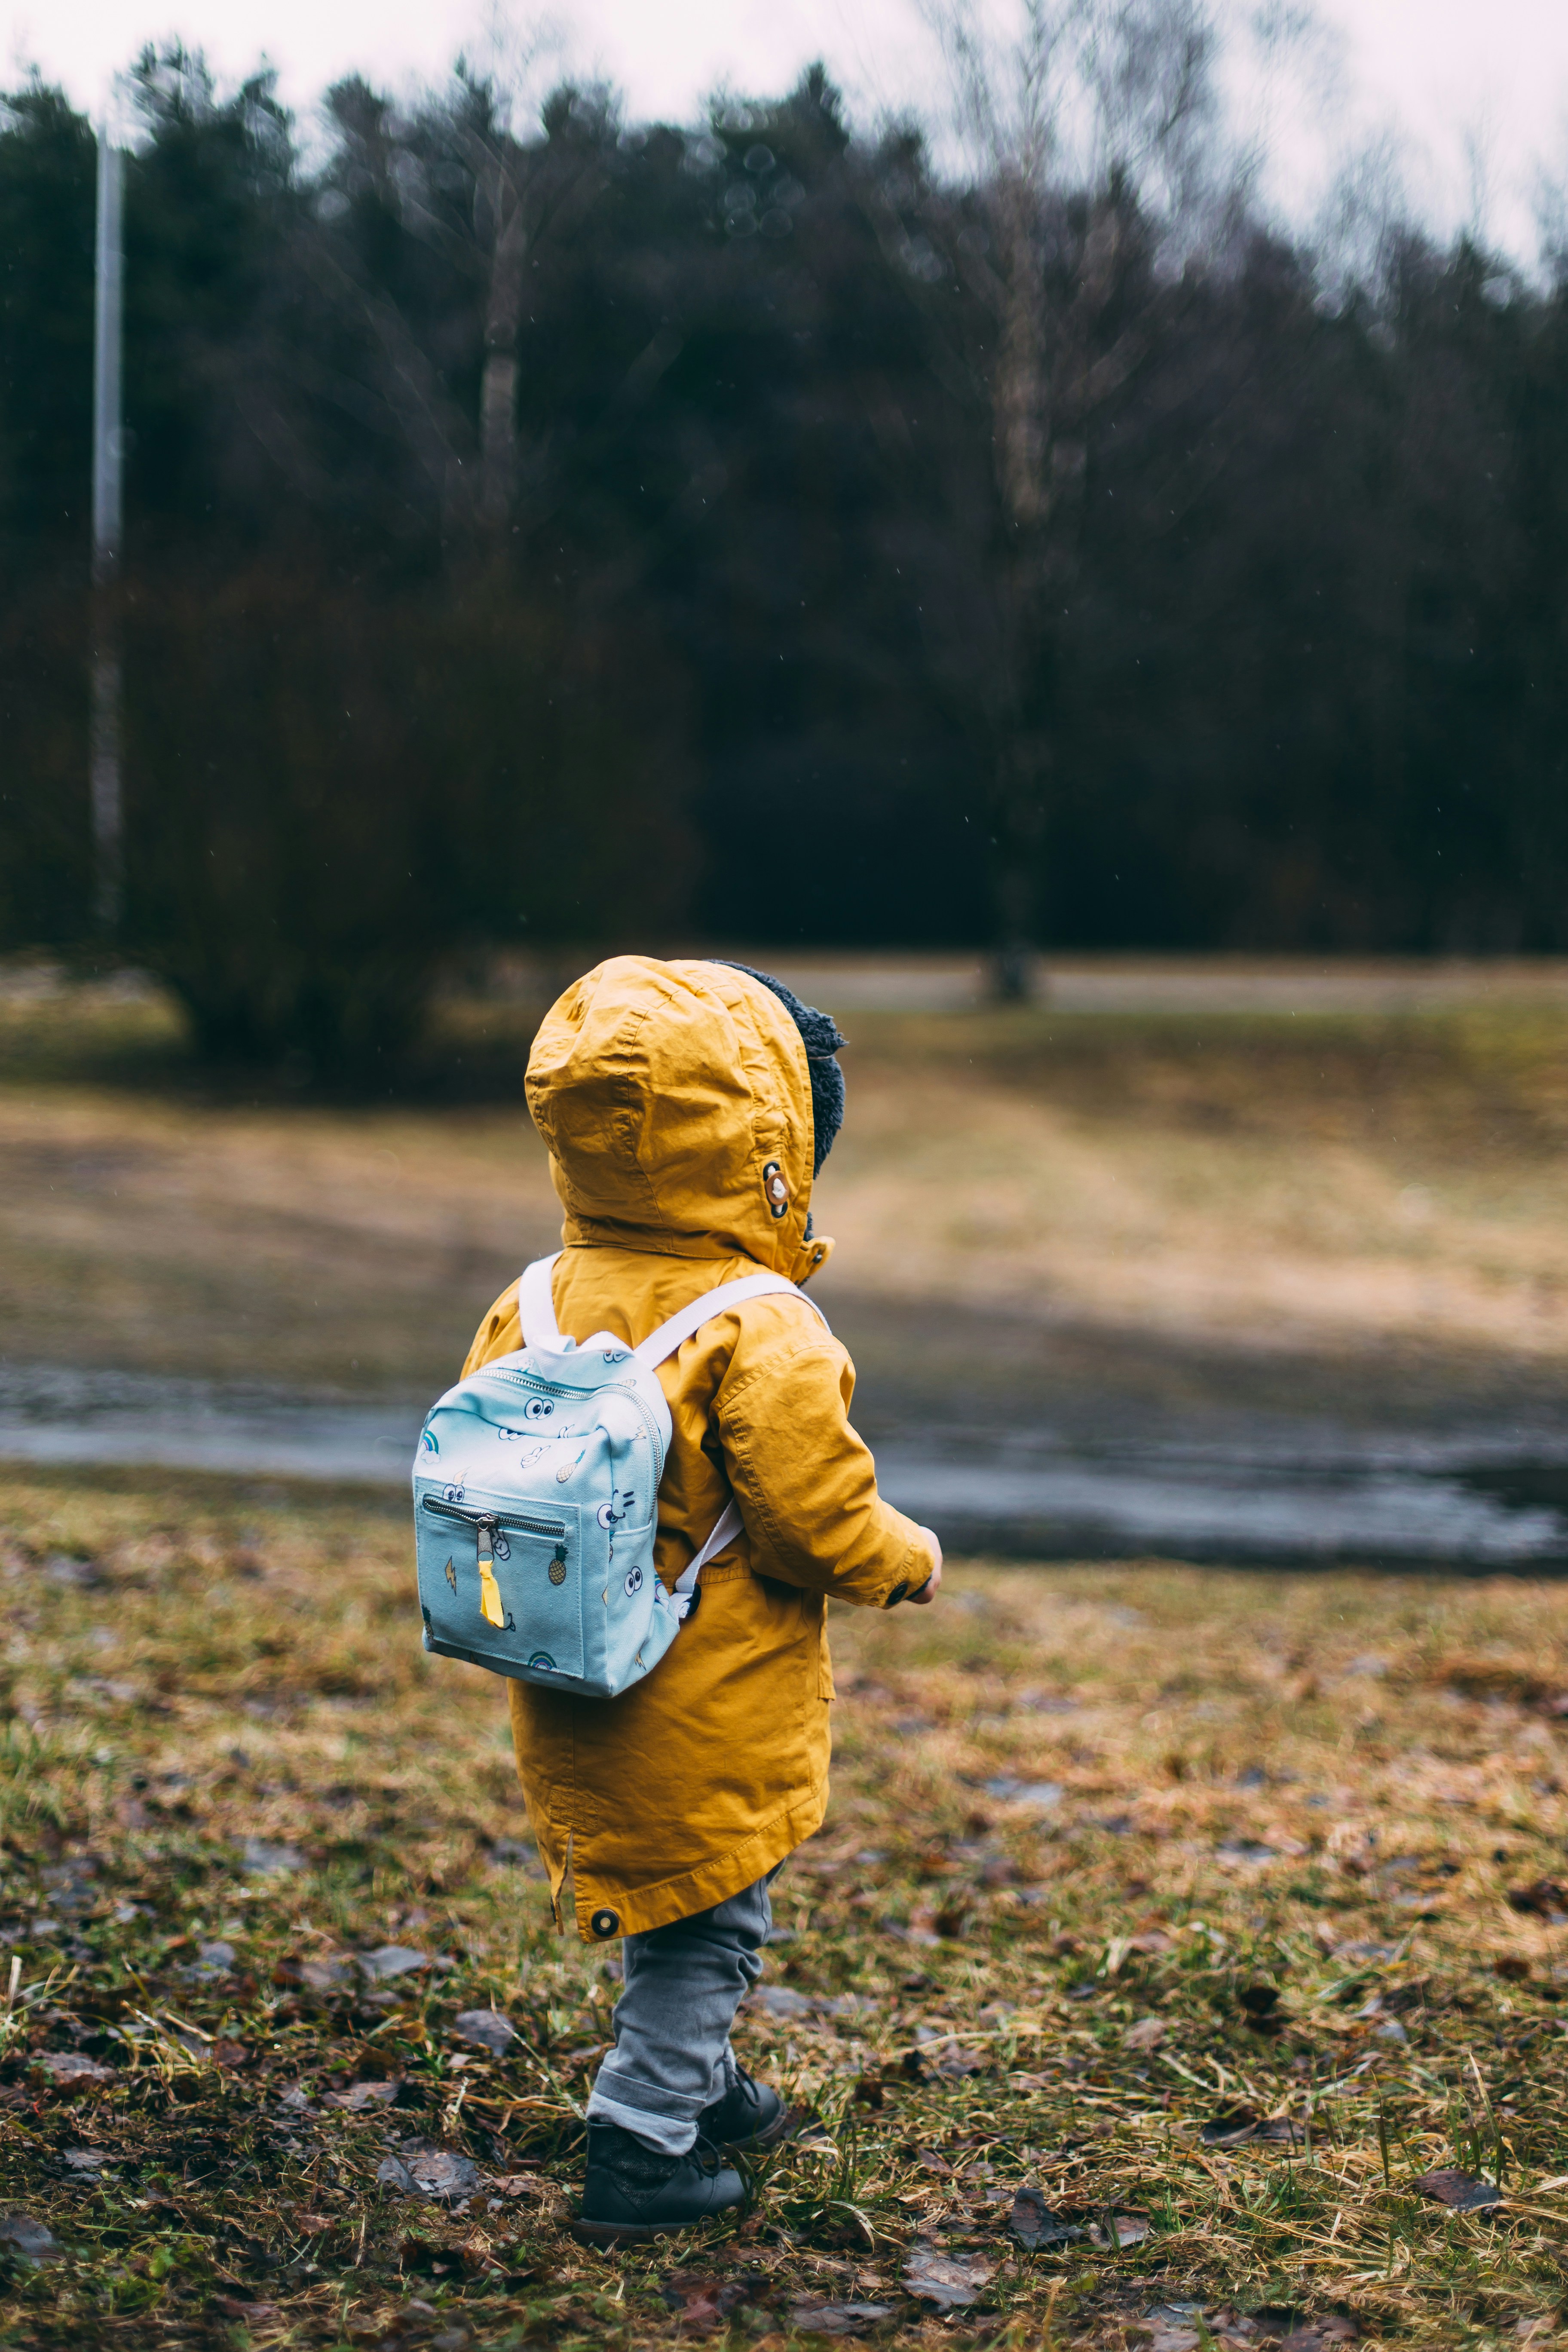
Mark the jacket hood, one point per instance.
(674, 1098)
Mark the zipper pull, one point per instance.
(490, 1608)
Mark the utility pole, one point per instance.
(108, 810)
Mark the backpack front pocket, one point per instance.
(501, 1587)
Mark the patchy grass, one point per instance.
(1185, 1920)
(1322, 1183)
(1324, 1186)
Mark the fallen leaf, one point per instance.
(952, 2282)
(838, 2318)
(1040, 1796)
(1316, 2335)
(929, 2161)
(1147, 2035)
(429, 2173)
(1131, 2229)
(1230, 2128)
(487, 2029)
(361, 2095)
(1544, 1898)
(323, 1976)
(28, 2239)
(703, 2303)
(70, 2070)
(779, 2001)
(268, 1860)
(1460, 2190)
(313, 2225)
(701, 2300)
(234, 2307)
(517, 2184)
(391, 1960)
(1035, 2224)
(86, 2160)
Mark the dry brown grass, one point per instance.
(1275, 1879)
(1319, 1182)
(1327, 1184)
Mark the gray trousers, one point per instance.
(683, 1985)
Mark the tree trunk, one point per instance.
(1023, 415)
(498, 390)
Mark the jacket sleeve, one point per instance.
(805, 1483)
(498, 1335)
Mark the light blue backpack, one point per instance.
(536, 1501)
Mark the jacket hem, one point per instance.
(713, 1881)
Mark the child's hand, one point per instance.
(932, 1585)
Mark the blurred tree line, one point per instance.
(577, 531)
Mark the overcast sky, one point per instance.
(1460, 84)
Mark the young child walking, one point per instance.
(688, 1106)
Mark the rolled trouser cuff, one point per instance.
(654, 2116)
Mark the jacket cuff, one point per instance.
(916, 1568)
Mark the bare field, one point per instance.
(1175, 1940)
(1325, 1182)
(1178, 1940)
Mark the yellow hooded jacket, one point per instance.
(664, 1091)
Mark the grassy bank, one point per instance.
(1329, 1184)
(1190, 1918)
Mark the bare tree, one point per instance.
(471, 180)
(511, 203)
(1092, 139)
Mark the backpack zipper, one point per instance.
(492, 1519)
(531, 1380)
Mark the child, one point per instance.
(688, 1106)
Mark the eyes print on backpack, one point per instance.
(634, 1581)
(538, 1409)
(609, 1517)
(452, 1493)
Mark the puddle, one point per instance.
(1303, 1490)
(1213, 1503)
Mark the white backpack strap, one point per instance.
(727, 1527)
(536, 1306)
(679, 1328)
(664, 1342)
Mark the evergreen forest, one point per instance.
(543, 527)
